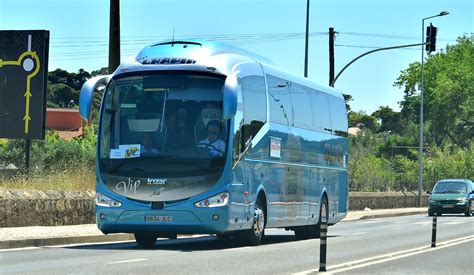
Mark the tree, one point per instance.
(369, 122)
(391, 121)
(101, 71)
(73, 80)
(59, 95)
(448, 94)
(347, 98)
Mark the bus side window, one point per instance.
(338, 116)
(321, 115)
(254, 106)
(238, 122)
(301, 106)
(279, 100)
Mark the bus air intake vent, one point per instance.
(157, 205)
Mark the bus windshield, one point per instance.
(163, 125)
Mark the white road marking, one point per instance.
(390, 257)
(361, 233)
(371, 221)
(128, 261)
(397, 228)
(452, 223)
(423, 223)
(20, 248)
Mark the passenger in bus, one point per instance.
(179, 134)
(148, 107)
(212, 142)
(148, 145)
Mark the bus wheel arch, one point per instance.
(254, 235)
(324, 201)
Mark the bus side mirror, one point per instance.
(86, 95)
(230, 97)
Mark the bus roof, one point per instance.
(200, 55)
(192, 49)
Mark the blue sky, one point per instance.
(272, 28)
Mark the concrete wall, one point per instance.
(383, 200)
(49, 208)
(29, 208)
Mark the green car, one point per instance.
(452, 196)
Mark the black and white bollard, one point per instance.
(323, 245)
(433, 232)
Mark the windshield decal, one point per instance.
(125, 151)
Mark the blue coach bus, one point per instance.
(199, 137)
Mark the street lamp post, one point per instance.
(420, 153)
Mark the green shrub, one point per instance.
(54, 163)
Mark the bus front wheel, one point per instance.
(255, 235)
(146, 240)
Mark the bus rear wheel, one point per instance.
(146, 240)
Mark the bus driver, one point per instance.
(212, 142)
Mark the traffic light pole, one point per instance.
(420, 147)
(369, 52)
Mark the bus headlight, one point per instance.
(101, 200)
(214, 201)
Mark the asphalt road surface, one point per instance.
(388, 245)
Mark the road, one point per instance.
(387, 245)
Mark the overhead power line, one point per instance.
(132, 44)
(407, 37)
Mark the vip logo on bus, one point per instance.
(130, 186)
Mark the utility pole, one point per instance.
(114, 35)
(306, 41)
(331, 56)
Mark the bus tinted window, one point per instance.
(338, 116)
(301, 103)
(321, 116)
(255, 104)
(279, 100)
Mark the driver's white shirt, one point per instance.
(218, 144)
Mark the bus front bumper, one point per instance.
(200, 221)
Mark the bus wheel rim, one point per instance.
(259, 221)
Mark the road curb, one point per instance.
(65, 240)
(392, 215)
(384, 215)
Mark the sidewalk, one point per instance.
(16, 237)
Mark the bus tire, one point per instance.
(255, 235)
(323, 210)
(145, 240)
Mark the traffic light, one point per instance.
(431, 38)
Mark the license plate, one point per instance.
(448, 206)
(153, 218)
